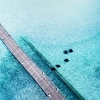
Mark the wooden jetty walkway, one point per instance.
(39, 76)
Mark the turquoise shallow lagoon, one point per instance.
(54, 26)
(17, 84)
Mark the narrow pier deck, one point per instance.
(39, 76)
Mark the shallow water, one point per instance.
(17, 84)
(82, 70)
(55, 26)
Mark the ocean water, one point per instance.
(82, 71)
(17, 84)
(55, 26)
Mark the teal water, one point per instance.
(55, 26)
(17, 84)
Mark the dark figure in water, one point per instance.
(66, 60)
(65, 51)
(53, 69)
(70, 50)
(57, 66)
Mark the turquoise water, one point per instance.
(82, 71)
(17, 84)
(55, 26)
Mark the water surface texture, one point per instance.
(17, 84)
(55, 26)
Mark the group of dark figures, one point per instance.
(65, 60)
